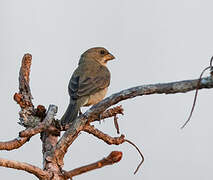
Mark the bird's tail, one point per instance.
(70, 114)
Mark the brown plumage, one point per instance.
(89, 82)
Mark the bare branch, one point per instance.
(46, 124)
(25, 167)
(13, 144)
(106, 138)
(52, 110)
(142, 158)
(112, 112)
(164, 88)
(114, 157)
(94, 112)
(24, 80)
(24, 97)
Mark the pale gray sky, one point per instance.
(153, 41)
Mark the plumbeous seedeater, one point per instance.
(89, 82)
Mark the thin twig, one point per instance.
(142, 157)
(195, 97)
(211, 68)
(116, 124)
(106, 138)
(211, 60)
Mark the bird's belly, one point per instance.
(95, 98)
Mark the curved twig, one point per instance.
(195, 97)
(142, 157)
(211, 60)
(196, 92)
(106, 138)
(211, 67)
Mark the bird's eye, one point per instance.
(102, 52)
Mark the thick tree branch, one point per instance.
(24, 97)
(52, 110)
(163, 88)
(49, 164)
(25, 167)
(94, 112)
(114, 157)
(24, 80)
(13, 144)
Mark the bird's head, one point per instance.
(99, 54)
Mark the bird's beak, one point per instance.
(109, 57)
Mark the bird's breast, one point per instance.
(97, 97)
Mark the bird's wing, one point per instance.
(89, 83)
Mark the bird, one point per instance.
(89, 82)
